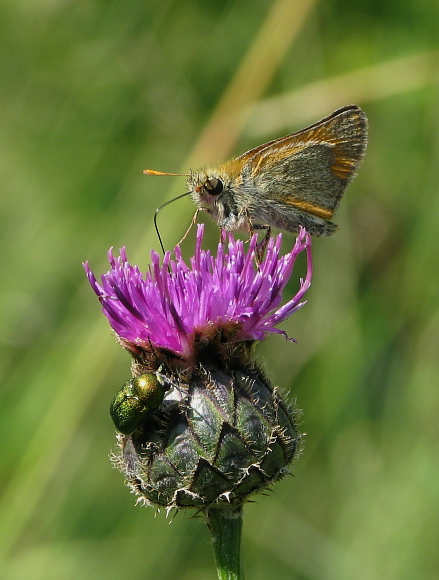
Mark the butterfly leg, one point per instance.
(261, 247)
(193, 222)
(223, 236)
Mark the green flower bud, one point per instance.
(219, 437)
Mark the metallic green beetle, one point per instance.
(135, 400)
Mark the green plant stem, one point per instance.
(225, 524)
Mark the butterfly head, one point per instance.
(207, 191)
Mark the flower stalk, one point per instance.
(225, 525)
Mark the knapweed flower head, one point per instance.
(174, 303)
(200, 424)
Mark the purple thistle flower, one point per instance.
(199, 423)
(173, 302)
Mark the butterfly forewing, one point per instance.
(312, 166)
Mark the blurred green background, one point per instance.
(93, 92)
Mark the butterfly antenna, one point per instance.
(156, 213)
(154, 172)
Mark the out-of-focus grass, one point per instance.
(92, 93)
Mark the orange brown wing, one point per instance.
(345, 130)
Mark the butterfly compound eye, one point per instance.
(214, 186)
